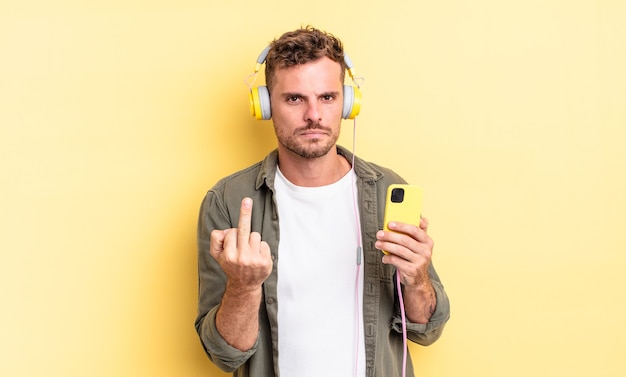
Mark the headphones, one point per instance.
(260, 95)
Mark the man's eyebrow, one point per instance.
(291, 94)
(298, 94)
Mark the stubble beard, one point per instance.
(310, 149)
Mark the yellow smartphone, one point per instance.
(403, 204)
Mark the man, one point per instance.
(282, 291)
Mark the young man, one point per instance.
(282, 290)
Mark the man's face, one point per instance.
(307, 102)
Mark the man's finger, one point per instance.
(424, 224)
(217, 242)
(245, 219)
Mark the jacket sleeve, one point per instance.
(427, 334)
(211, 286)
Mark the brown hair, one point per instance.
(302, 46)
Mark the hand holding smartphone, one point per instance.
(403, 204)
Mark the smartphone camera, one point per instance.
(397, 195)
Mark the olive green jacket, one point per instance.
(381, 313)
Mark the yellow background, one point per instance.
(117, 116)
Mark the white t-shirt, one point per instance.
(320, 316)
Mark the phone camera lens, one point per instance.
(397, 195)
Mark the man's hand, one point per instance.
(410, 250)
(241, 254)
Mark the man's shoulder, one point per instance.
(248, 181)
(242, 177)
(370, 171)
(379, 173)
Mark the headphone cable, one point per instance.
(359, 252)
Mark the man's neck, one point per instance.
(313, 172)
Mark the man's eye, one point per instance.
(293, 99)
(328, 97)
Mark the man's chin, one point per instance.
(313, 151)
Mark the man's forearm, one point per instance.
(237, 319)
(419, 302)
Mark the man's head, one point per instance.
(305, 70)
(302, 46)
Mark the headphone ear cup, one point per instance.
(260, 103)
(351, 102)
